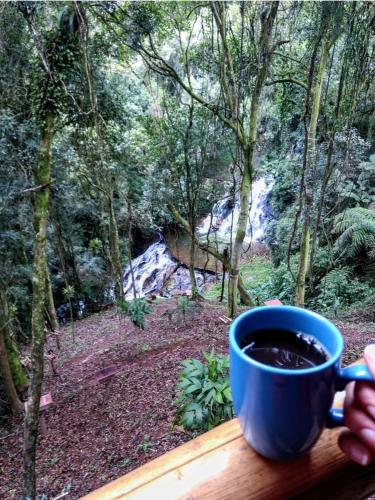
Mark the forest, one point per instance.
(163, 167)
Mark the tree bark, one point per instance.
(194, 286)
(42, 176)
(50, 304)
(6, 371)
(115, 250)
(130, 240)
(248, 148)
(9, 386)
(304, 258)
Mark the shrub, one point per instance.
(338, 290)
(136, 310)
(205, 398)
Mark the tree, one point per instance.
(331, 14)
(18, 375)
(57, 58)
(234, 108)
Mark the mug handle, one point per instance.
(354, 373)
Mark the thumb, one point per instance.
(370, 358)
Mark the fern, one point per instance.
(356, 227)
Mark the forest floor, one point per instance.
(98, 431)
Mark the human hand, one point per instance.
(358, 441)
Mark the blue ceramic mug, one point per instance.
(281, 411)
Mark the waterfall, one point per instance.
(157, 272)
(224, 215)
(151, 270)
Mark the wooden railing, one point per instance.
(220, 465)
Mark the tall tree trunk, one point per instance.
(17, 371)
(194, 286)
(5, 368)
(248, 148)
(130, 240)
(310, 162)
(50, 304)
(114, 245)
(10, 389)
(42, 176)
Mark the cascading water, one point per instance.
(156, 271)
(223, 216)
(151, 270)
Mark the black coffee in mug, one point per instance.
(284, 349)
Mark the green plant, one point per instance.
(183, 306)
(125, 462)
(146, 444)
(95, 246)
(356, 227)
(205, 398)
(338, 289)
(144, 348)
(136, 310)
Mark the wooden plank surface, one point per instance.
(220, 465)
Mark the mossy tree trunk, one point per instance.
(247, 145)
(304, 258)
(12, 375)
(42, 175)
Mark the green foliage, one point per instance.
(183, 303)
(356, 227)
(136, 310)
(69, 292)
(145, 348)
(205, 397)
(56, 79)
(95, 245)
(338, 289)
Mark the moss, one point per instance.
(18, 373)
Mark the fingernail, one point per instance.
(367, 435)
(358, 454)
(371, 411)
(370, 352)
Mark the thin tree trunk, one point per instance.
(115, 250)
(72, 320)
(194, 286)
(50, 304)
(248, 147)
(222, 285)
(311, 152)
(41, 207)
(5, 368)
(130, 240)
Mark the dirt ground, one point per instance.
(100, 430)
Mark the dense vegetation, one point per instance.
(121, 120)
